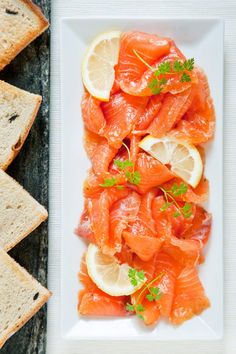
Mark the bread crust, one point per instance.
(28, 316)
(17, 48)
(43, 216)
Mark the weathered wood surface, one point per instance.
(30, 71)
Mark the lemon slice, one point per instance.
(98, 64)
(184, 159)
(109, 276)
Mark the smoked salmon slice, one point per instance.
(123, 212)
(152, 172)
(92, 114)
(189, 298)
(130, 71)
(99, 152)
(198, 124)
(96, 304)
(144, 246)
(153, 107)
(172, 110)
(144, 222)
(121, 114)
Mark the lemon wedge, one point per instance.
(109, 276)
(98, 64)
(184, 159)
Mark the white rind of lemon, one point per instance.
(109, 276)
(184, 159)
(98, 72)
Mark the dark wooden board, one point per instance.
(30, 71)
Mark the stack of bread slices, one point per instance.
(21, 296)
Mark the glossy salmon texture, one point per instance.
(126, 211)
(189, 298)
(99, 152)
(121, 114)
(198, 124)
(94, 302)
(152, 172)
(131, 73)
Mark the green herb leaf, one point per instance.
(133, 177)
(176, 214)
(140, 275)
(165, 206)
(178, 66)
(136, 277)
(154, 293)
(120, 187)
(129, 307)
(185, 78)
(187, 210)
(178, 190)
(163, 68)
(140, 308)
(109, 182)
(169, 195)
(132, 272)
(186, 207)
(150, 297)
(189, 64)
(140, 316)
(154, 290)
(154, 86)
(163, 81)
(122, 165)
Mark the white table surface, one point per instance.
(176, 8)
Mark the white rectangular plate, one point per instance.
(198, 38)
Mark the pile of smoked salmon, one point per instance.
(126, 213)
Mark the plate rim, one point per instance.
(218, 21)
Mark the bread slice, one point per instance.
(18, 110)
(20, 213)
(20, 23)
(21, 296)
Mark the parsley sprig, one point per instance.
(170, 195)
(132, 176)
(154, 293)
(157, 84)
(136, 277)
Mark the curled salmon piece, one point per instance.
(173, 107)
(84, 228)
(152, 172)
(96, 304)
(131, 72)
(198, 124)
(144, 222)
(123, 212)
(189, 297)
(92, 114)
(144, 246)
(121, 114)
(99, 216)
(99, 152)
(153, 107)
